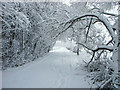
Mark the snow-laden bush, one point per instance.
(101, 71)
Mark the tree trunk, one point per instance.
(77, 50)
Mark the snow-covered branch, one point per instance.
(99, 17)
(103, 12)
(109, 48)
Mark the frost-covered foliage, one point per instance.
(106, 62)
(97, 32)
(28, 29)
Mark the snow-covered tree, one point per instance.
(28, 30)
(100, 38)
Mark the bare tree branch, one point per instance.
(85, 46)
(104, 50)
(97, 49)
(91, 59)
(88, 29)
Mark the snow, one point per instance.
(58, 69)
(0, 79)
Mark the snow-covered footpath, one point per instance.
(58, 69)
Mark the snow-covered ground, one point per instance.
(58, 69)
(0, 79)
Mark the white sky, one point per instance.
(67, 2)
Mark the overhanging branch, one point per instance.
(97, 49)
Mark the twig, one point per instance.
(91, 59)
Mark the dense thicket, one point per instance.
(28, 30)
